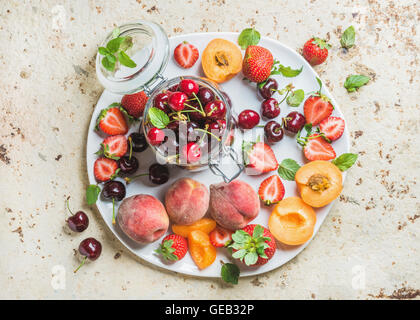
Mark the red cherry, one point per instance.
(248, 119)
(79, 221)
(215, 109)
(176, 100)
(161, 101)
(188, 86)
(91, 249)
(191, 152)
(155, 136)
(270, 108)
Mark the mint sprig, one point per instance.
(348, 38)
(345, 161)
(230, 273)
(354, 82)
(248, 37)
(92, 193)
(288, 72)
(115, 51)
(287, 169)
(158, 118)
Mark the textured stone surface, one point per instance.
(48, 91)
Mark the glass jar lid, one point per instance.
(150, 53)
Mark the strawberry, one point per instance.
(134, 103)
(332, 127)
(113, 147)
(105, 169)
(173, 247)
(186, 55)
(111, 121)
(315, 51)
(220, 237)
(317, 107)
(271, 190)
(257, 63)
(316, 148)
(261, 159)
(254, 245)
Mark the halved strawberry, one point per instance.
(332, 127)
(105, 169)
(135, 103)
(271, 190)
(261, 159)
(186, 55)
(111, 121)
(317, 108)
(220, 237)
(317, 148)
(114, 147)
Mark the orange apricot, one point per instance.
(221, 60)
(292, 221)
(319, 182)
(202, 251)
(205, 225)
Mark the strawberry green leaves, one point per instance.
(354, 82)
(348, 38)
(322, 44)
(167, 251)
(92, 193)
(158, 118)
(287, 169)
(230, 273)
(345, 161)
(115, 51)
(248, 37)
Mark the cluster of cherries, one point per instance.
(198, 111)
(270, 109)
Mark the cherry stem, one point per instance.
(113, 210)
(205, 131)
(83, 262)
(131, 147)
(199, 102)
(68, 208)
(194, 108)
(128, 180)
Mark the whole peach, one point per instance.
(143, 218)
(233, 205)
(186, 201)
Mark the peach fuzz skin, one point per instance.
(143, 218)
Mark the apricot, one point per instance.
(221, 60)
(186, 201)
(319, 182)
(206, 225)
(202, 251)
(292, 221)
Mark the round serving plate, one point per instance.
(243, 96)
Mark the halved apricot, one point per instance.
(292, 221)
(221, 60)
(319, 182)
(202, 251)
(205, 224)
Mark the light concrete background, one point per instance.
(48, 89)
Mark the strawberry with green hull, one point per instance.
(173, 247)
(105, 169)
(315, 51)
(111, 121)
(317, 107)
(220, 237)
(257, 64)
(134, 103)
(271, 190)
(113, 147)
(332, 127)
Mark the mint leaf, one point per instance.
(296, 98)
(126, 44)
(251, 258)
(286, 71)
(345, 161)
(287, 169)
(158, 118)
(230, 273)
(348, 38)
(248, 37)
(109, 62)
(125, 60)
(114, 44)
(354, 82)
(92, 193)
(116, 32)
(103, 51)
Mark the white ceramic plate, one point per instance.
(243, 96)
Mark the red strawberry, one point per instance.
(317, 108)
(257, 63)
(318, 148)
(134, 103)
(271, 190)
(114, 147)
(105, 169)
(255, 249)
(220, 237)
(112, 121)
(315, 51)
(173, 247)
(186, 55)
(261, 159)
(332, 127)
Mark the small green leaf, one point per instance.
(103, 51)
(354, 82)
(251, 258)
(345, 161)
(108, 62)
(286, 71)
(248, 37)
(114, 44)
(92, 193)
(158, 118)
(230, 273)
(348, 38)
(125, 60)
(116, 32)
(126, 44)
(288, 168)
(296, 98)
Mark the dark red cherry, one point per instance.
(128, 165)
(158, 174)
(267, 88)
(138, 141)
(228, 100)
(114, 190)
(188, 86)
(91, 249)
(294, 122)
(161, 101)
(205, 95)
(79, 221)
(270, 108)
(248, 119)
(155, 136)
(273, 131)
(176, 100)
(215, 109)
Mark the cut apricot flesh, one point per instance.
(292, 221)
(319, 182)
(202, 251)
(221, 60)
(205, 225)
